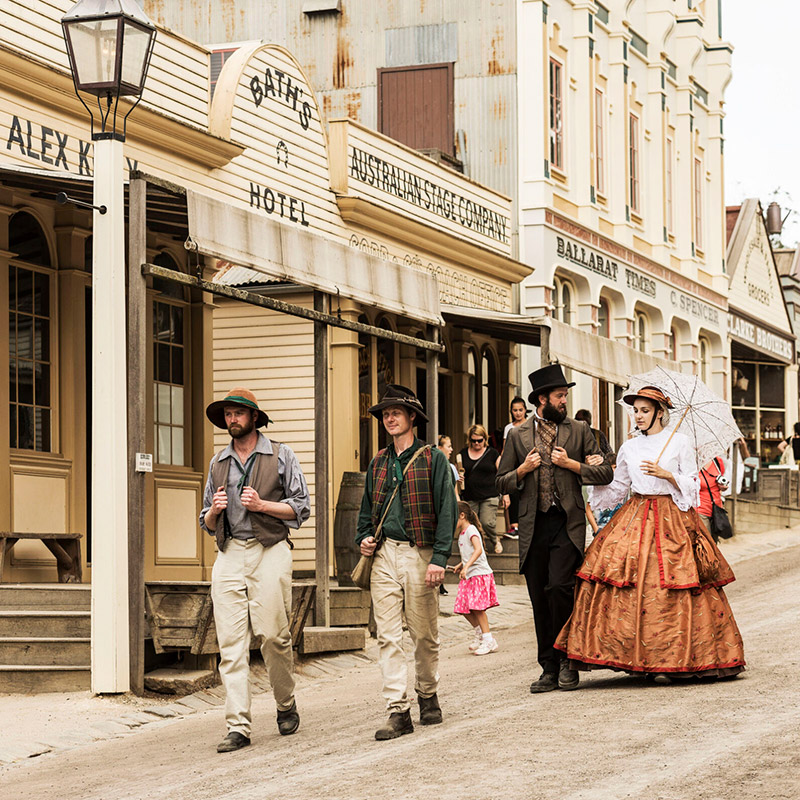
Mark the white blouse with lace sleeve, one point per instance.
(678, 458)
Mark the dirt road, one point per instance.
(615, 738)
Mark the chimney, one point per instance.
(774, 221)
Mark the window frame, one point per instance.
(634, 164)
(669, 185)
(703, 364)
(697, 202)
(555, 110)
(642, 331)
(599, 141)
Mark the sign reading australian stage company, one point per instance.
(383, 174)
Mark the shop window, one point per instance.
(556, 114)
(27, 241)
(416, 106)
(770, 385)
(599, 142)
(30, 417)
(604, 319)
(642, 332)
(385, 353)
(705, 358)
(364, 397)
(489, 392)
(170, 367)
(634, 164)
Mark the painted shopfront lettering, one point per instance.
(688, 305)
(455, 288)
(279, 86)
(424, 193)
(46, 145)
(273, 202)
(760, 337)
(640, 283)
(586, 257)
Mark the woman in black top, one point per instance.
(794, 443)
(478, 470)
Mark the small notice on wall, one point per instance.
(144, 462)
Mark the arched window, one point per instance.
(642, 332)
(170, 367)
(604, 319)
(563, 300)
(672, 345)
(489, 372)
(705, 358)
(30, 335)
(472, 386)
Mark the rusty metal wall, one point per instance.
(341, 54)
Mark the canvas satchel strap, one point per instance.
(379, 529)
(703, 473)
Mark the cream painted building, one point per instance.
(272, 197)
(621, 196)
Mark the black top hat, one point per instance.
(546, 379)
(397, 395)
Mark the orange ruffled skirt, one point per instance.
(649, 597)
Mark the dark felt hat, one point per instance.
(397, 395)
(546, 379)
(235, 397)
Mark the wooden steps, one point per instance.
(44, 637)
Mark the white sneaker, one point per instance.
(498, 547)
(475, 641)
(487, 647)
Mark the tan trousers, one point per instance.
(398, 584)
(251, 586)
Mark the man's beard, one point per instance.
(237, 431)
(552, 414)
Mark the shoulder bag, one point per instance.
(720, 524)
(362, 572)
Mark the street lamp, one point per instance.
(109, 44)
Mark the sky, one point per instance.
(762, 106)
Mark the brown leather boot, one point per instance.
(429, 711)
(398, 724)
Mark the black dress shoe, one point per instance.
(568, 678)
(289, 720)
(548, 682)
(429, 711)
(398, 724)
(233, 741)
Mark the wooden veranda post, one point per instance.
(321, 462)
(432, 387)
(137, 379)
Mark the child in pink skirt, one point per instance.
(476, 590)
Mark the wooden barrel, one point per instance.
(345, 521)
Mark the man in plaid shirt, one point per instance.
(415, 543)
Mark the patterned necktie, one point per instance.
(545, 440)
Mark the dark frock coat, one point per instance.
(577, 439)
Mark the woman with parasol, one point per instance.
(649, 599)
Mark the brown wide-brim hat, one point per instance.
(397, 395)
(649, 393)
(236, 397)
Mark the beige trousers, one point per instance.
(397, 584)
(251, 586)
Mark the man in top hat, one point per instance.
(547, 459)
(254, 494)
(408, 496)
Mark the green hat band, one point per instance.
(240, 401)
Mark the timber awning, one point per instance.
(291, 253)
(599, 357)
(499, 324)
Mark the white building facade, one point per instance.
(621, 188)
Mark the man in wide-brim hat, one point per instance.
(254, 494)
(547, 459)
(409, 503)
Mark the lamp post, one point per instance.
(109, 44)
